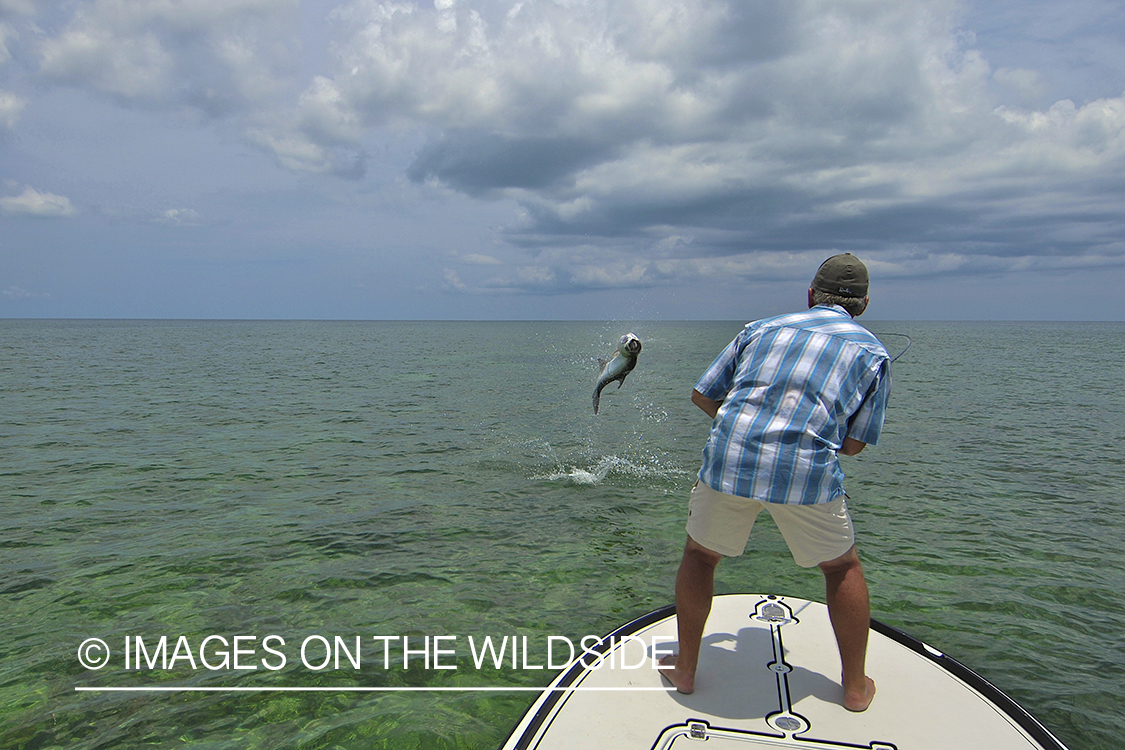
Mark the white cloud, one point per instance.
(133, 67)
(753, 86)
(1028, 84)
(34, 203)
(11, 106)
(296, 151)
(14, 292)
(212, 55)
(180, 216)
(1089, 134)
(325, 113)
(6, 32)
(479, 259)
(453, 281)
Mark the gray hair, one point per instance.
(854, 305)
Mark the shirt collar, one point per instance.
(836, 308)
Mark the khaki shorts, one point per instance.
(814, 533)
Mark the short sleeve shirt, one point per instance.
(792, 388)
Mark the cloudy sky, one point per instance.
(586, 159)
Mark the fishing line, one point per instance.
(909, 341)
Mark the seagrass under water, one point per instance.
(450, 479)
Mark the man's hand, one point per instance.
(851, 447)
(709, 405)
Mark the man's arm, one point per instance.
(709, 405)
(851, 447)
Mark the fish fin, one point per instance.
(601, 366)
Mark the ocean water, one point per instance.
(326, 480)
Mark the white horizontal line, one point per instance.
(167, 689)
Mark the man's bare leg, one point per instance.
(695, 585)
(849, 608)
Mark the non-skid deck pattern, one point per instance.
(769, 677)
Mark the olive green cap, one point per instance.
(843, 275)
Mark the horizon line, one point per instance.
(127, 319)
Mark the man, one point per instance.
(786, 397)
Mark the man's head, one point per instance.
(841, 280)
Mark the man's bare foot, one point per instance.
(683, 683)
(860, 701)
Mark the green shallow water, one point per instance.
(423, 479)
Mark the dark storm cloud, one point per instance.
(479, 163)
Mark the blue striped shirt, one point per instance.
(792, 388)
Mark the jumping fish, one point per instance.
(617, 368)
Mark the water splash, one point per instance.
(651, 467)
